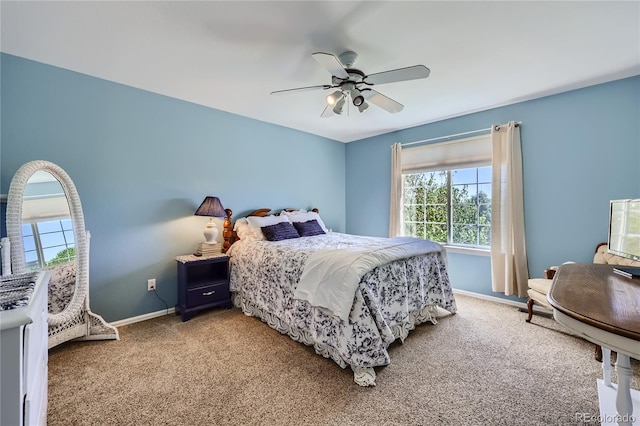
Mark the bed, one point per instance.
(297, 285)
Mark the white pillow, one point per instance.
(305, 217)
(257, 222)
(239, 222)
(243, 230)
(285, 212)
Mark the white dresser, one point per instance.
(23, 349)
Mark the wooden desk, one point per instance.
(604, 308)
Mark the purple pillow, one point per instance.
(279, 231)
(308, 228)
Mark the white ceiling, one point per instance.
(230, 54)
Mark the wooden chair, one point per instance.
(539, 287)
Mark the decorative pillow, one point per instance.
(62, 285)
(279, 231)
(257, 222)
(308, 228)
(305, 217)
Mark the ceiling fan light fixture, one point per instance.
(356, 97)
(333, 98)
(339, 106)
(353, 85)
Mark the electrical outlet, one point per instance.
(151, 284)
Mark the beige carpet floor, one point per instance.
(483, 366)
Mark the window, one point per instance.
(48, 243)
(449, 206)
(446, 192)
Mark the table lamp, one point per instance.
(212, 207)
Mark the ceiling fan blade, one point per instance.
(382, 101)
(401, 74)
(303, 89)
(328, 112)
(331, 63)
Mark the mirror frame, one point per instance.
(14, 232)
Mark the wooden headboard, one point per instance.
(229, 235)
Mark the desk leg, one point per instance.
(624, 404)
(606, 365)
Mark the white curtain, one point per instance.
(509, 272)
(395, 207)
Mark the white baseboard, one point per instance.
(519, 305)
(144, 317)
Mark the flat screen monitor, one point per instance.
(624, 228)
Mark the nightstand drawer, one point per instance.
(207, 294)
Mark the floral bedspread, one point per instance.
(61, 286)
(389, 301)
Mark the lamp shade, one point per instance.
(212, 207)
(339, 105)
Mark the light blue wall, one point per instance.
(580, 150)
(142, 164)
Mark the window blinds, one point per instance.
(39, 209)
(462, 153)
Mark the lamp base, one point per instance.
(210, 232)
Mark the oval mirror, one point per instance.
(45, 226)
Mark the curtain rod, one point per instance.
(454, 135)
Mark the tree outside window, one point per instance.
(449, 206)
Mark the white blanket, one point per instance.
(331, 276)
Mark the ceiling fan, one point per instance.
(355, 86)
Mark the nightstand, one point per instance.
(203, 283)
